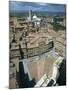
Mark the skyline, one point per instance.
(17, 6)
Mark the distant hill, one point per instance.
(39, 13)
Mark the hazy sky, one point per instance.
(24, 6)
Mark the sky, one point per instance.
(38, 6)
